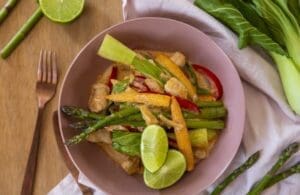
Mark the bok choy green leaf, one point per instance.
(127, 142)
(233, 18)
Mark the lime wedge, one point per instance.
(154, 147)
(169, 173)
(62, 11)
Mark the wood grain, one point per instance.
(18, 106)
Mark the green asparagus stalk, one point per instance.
(283, 175)
(4, 11)
(241, 169)
(80, 113)
(21, 34)
(82, 124)
(209, 124)
(208, 113)
(284, 156)
(102, 123)
(209, 103)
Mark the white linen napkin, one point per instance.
(270, 123)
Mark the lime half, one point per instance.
(169, 173)
(154, 147)
(62, 11)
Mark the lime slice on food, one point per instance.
(62, 11)
(169, 173)
(154, 147)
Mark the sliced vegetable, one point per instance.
(203, 123)
(206, 98)
(182, 136)
(171, 171)
(143, 98)
(148, 117)
(113, 75)
(80, 113)
(102, 123)
(178, 73)
(154, 147)
(208, 113)
(217, 91)
(198, 137)
(120, 86)
(127, 142)
(209, 103)
(188, 105)
(114, 50)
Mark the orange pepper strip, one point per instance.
(206, 98)
(182, 135)
(143, 98)
(167, 63)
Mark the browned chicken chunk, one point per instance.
(176, 88)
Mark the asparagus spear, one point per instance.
(209, 103)
(80, 113)
(21, 34)
(208, 113)
(4, 11)
(250, 161)
(102, 123)
(82, 124)
(283, 175)
(209, 124)
(284, 156)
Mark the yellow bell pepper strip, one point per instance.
(206, 98)
(167, 63)
(142, 98)
(182, 135)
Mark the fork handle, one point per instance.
(28, 180)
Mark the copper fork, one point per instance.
(45, 88)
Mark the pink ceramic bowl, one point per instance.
(156, 34)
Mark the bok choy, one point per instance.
(114, 50)
(271, 24)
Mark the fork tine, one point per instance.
(39, 72)
(54, 68)
(44, 66)
(49, 68)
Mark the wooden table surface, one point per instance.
(17, 89)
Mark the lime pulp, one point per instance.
(172, 170)
(62, 11)
(154, 147)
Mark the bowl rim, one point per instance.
(226, 57)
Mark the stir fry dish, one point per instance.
(152, 112)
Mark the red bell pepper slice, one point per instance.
(188, 105)
(113, 75)
(218, 92)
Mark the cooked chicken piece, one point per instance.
(153, 85)
(178, 58)
(123, 71)
(102, 135)
(104, 77)
(176, 88)
(115, 127)
(149, 118)
(97, 100)
(211, 145)
(130, 165)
